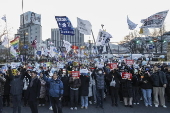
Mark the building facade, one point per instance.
(30, 24)
(56, 38)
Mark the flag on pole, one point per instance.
(67, 45)
(64, 25)
(84, 26)
(155, 20)
(131, 24)
(103, 38)
(4, 18)
(13, 51)
(5, 41)
(15, 42)
(144, 31)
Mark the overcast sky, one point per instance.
(113, 14)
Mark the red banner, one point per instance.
(129, 62)
(113, 65)
(126, 75)
(75, 73)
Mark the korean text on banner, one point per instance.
(129, 62)
(75, 73)
(126, 75)
(84, 26)
(113, 65)
(64, 25)
(155, 20)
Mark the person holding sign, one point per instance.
(16, 78)
(75, 83)
(114, 79)
(84, 88)
(127, 88)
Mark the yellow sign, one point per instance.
(14, 72)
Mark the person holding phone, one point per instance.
(146, 85)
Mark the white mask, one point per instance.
(100, 72)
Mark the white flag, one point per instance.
(5, 41)
(52, 53)
(42, 51)
(103, 38)
(146, 31)
(155, 20)
(67, 45)
(13, 51)
(131, 25)
(84, 26)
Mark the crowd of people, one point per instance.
(150, 82)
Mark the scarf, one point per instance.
(32, 81)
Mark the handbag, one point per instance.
(113, 83)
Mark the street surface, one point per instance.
(107, 109)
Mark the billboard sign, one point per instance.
(30, 18)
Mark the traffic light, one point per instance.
(137, 41)
(154, 40)
(164, 41)
(151, 41)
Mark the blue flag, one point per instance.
(64, 25)
(39, 53)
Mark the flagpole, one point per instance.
(94, 40)
(9, 56)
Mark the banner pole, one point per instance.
(94, 40)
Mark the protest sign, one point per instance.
(126, 75)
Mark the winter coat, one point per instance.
(84, 88)
(146, 83)
(76, 83)
(100, 81)
(7, 85)
(34, 91)
(135, 80)
(127, 88)
(2, 82)
(159, 75)
(168, 79)
(56, 86)
(16, 83)
(66, 86)
(43, 88)
(115, 76)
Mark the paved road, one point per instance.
(107, 109)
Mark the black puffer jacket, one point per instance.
(2, 82)
(115, 76)
(159, 75)
(76, 83)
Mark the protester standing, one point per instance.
(2, 82)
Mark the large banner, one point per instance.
(84, 26)
(30, 18)
(64, 25)
(155, 20)
(103, 38)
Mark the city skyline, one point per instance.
(113, 15)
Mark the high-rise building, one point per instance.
(30, 24)
(56, 38)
